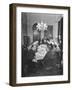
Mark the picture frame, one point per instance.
(25, 19)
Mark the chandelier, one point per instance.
(41, 26)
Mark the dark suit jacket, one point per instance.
(51, 58)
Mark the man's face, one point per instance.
(44, 41)
(34, 48)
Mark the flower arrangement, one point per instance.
(41, 26)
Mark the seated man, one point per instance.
(30, 57)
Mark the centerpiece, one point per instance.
(42, 27)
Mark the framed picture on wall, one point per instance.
(39, 44)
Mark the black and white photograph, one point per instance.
(41, 44)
